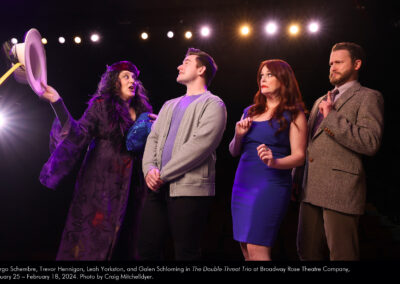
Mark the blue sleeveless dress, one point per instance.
(261, 195)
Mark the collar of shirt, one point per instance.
(343, 88)
(186, 95)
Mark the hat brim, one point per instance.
(35, 61)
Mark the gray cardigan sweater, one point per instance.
(191, 170)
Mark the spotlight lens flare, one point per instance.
(205, 31)
(313, 27)
(14, 40)
(2, 121)
(294, 29)
(44, 40)
(77, 40)
(170, 34)
(61, 40)
(94, 37)
(188, 34)
(144, 35)
(245, 30)
(271, 28)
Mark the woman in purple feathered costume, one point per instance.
(109, 188)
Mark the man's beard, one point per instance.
(341, 79)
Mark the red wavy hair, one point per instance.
(289, 93)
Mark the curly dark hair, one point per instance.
(108, 89)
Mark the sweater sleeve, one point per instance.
(149, 160)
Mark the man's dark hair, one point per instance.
(356, 51)
(204, 59)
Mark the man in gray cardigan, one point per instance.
(344, 125)
(179, 163)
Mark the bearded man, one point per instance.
(344, 125)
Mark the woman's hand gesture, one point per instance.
(266, 155)
(243, 126)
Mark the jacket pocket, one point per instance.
(350, 169)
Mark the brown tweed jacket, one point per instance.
(335, 177)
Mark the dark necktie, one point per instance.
(320, 117)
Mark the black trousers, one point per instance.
(184, 218)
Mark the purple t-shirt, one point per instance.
(177, 116)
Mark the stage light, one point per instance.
(245, 30)
(61, 40)
(188, 34)
(94, 37)
(144, 35)
(205, 31)
(2, 120)
(44, 40)
(271, 28)
(170, 34)
(294, 29)
(77, 40)
(14, 40)
(313, 27)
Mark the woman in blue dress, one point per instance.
(271, 139)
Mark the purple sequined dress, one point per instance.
(108, 179)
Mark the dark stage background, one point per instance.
(32, 216)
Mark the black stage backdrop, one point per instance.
(32, 216)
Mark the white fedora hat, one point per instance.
(32, 56)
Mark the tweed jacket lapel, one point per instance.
(346, 96)
(337, 105)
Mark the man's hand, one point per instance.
(153, 180)
(325, 106)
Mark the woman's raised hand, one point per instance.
(50, 94)
(243, 126)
